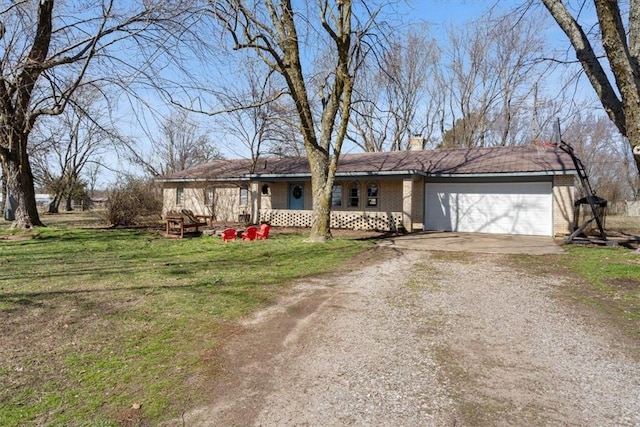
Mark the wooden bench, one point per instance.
(177, 223)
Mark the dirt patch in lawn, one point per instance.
(19, 236)
(624, 284)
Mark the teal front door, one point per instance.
(296, 196)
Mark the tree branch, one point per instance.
(589, 61)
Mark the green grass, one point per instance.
(602, 265)
(93, 321)
(614, 275)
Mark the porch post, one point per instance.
(407, 203)
(254, 190)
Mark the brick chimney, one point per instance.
(416, 143)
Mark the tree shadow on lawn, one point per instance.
(104, 270)
(38, 298)
(128, 270)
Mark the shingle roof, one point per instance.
(489, 160)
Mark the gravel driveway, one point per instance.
(424, 340)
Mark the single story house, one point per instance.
(512, 190)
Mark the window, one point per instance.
(180, 196)
(354, 195)
(372, 194)
(244, 195)
(208, 196)
(336, 195)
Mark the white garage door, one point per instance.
(506, 208)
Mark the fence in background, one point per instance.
(632, 207)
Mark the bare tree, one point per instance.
(602, 150)
(284, 135)
(92, 174)
(180, 145)
(76, 138)
(277, 32)
(491, 69)
(617, 33)
(257, 117)
(390, 92)
(49, 51)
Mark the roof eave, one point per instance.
(235, 179)
(500, 174)
(268, 176)
(258, 176)
(338, 174)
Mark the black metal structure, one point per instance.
(597, 204)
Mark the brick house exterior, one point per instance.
(517, 189)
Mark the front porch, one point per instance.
(372, 221)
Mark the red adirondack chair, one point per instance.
(250, 233)
(263, 233)
(229, 234)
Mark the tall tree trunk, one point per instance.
(4, 194)
(321, 184)
(622, 59)
(624, 65)
(54, 206)
(633, 136)
(68, 205)
(20, 185)
(17, 121)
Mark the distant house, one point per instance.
(98, 202)
(512, 190)
(43, 200)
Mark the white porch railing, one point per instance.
(382, 221)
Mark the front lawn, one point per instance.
(613, 277)
(101, 327)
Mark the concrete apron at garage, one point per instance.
(477, 242)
